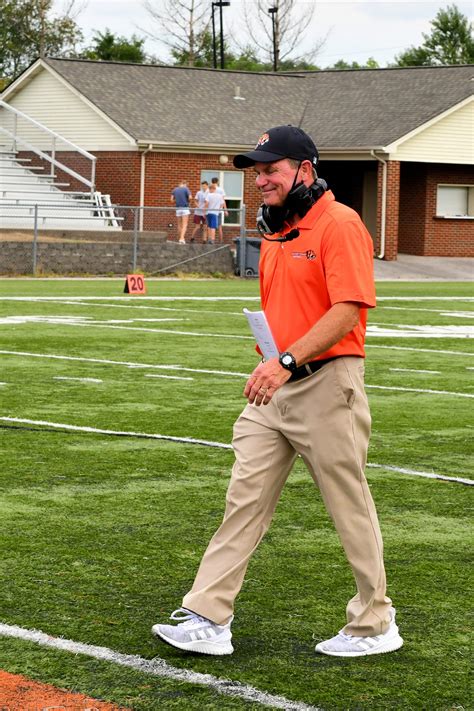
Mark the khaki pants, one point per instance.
(325, 418)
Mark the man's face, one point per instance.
(274, 180)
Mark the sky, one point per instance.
(353, 31)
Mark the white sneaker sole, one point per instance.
(217, 649)
(391, 645)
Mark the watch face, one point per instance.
(287, 359)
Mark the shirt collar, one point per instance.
(314, 213)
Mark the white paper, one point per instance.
(261, 330)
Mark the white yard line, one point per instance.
(70, 321)
(420, 390)
(119, 433)
(373, 331)
(133, 298)
(171, 377)
(126, 363)
(155, 667)
(63, 302)
(412, 370)
(443, 312)
(81, 380)
(221, 372)
(203, 442)
(426, 475)
(419, 350)
(467, 299)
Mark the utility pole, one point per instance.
(220, 4)
(273, 12)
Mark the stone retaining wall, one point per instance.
(112, 258)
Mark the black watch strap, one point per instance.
(287, 360)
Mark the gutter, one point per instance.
(384, 204)
(142, 184)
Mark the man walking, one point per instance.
(316, 276)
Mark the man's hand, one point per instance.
(265, 381)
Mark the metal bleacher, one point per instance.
(31, 196)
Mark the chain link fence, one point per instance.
(52, 238)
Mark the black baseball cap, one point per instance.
(278, 143)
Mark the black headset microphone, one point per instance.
(299, 201)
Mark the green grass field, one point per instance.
(102, 533)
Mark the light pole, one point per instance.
(220, 4)
(273, 11)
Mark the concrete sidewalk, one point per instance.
(410, 268)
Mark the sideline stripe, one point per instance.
(156, 667)
(207, 443)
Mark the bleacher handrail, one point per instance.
(54, 136)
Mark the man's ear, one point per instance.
(306, 170)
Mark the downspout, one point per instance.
(383, 216)
(142, 185)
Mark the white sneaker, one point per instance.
(194, 633)
(346, 645)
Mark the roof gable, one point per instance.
(341, 109)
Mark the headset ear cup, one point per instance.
(271, 219)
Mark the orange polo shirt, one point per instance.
(331, 261)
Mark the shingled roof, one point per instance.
(342, 109)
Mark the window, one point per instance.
(455, 201)
(233, 185)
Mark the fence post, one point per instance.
(243, 243)
(135, 238)
(35, 239)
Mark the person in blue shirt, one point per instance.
(180, 197)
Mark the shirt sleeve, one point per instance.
(347, 254)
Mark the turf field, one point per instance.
(103, 527)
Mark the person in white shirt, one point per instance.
(214, 206)
(224, 212)
(199, 217)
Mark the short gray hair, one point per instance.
(296, 164)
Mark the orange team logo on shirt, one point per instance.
(264, 138)
(309, 254)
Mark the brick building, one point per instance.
(397, 145)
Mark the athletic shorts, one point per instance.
(182, 212)
(199, 219)
(212, 220)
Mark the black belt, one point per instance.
(308, 369)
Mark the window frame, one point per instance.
(469, 201)
(206, 175)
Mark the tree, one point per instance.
(183, 27)
(29, 30)
(342, 64)
(451, 42)
(107, 46)
(279, 34)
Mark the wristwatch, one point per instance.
(287, 361)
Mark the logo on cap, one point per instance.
(264, 138)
